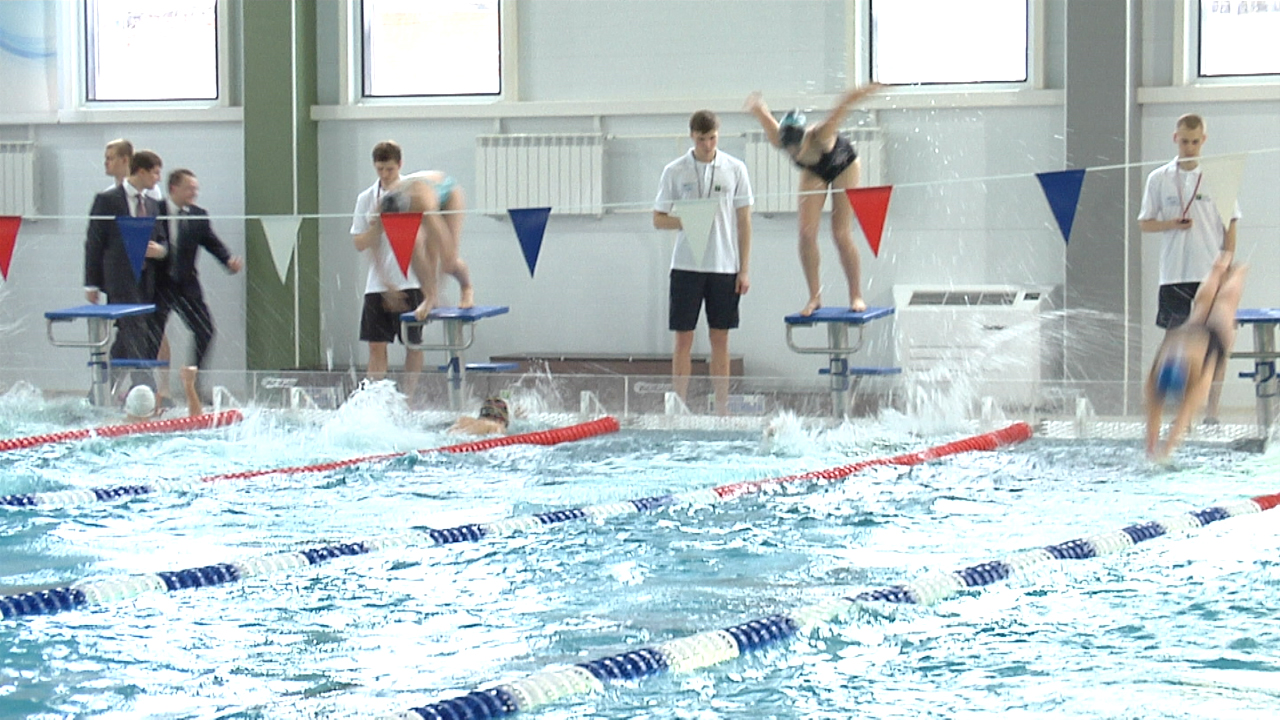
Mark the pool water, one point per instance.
(1178, 627)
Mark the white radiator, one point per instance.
(563, 172)
(17, 178)
(775, 179)
(989, 335)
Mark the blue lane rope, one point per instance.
(88, 593)
(717, 646)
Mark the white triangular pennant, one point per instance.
(697, 217)
(1223, 175)
(282, 236)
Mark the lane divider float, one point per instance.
(97, 592)
(64, 498)
(194, 422)
(717, 646)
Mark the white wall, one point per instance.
(966, 209)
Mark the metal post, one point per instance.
(838, 367)
(99, 367)
(1264, 378)
(457, 365)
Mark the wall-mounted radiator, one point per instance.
(17, 178)
(564, 172)
(775, 179)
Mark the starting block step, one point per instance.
(489, 367)
(470, 314)
(138, 363)
(863, 371)
(839, 315)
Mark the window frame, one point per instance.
(351, 27)
(1035, 57)
(1192, 61)
(79, 70)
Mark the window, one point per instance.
(949, 41)
(1238, 37)
(444, 47)
(151, 49)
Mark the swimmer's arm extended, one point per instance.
(756, 105)
(826, 129)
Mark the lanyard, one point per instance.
(1196, 191)
(712, 184)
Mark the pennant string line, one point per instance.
(646, 205)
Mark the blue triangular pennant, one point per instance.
(530, 224)
(136, 233)
(1062, 190)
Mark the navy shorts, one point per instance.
(378, 324)
(1175, 304)
(689, 290)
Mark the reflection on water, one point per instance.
(1178, 627)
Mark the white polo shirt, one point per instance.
(366, 205)
(1185, 255)
(725, 178)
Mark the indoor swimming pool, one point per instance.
(1178, 627)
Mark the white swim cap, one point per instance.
(140, 402)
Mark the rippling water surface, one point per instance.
(1179, 627)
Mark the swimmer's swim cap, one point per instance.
(140, 402)
(394, 202)
(791, 128)
(1171, 378)
(495, 408)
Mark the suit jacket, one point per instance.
(106, 264)
(194, 232)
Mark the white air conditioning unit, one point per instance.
(984, 338)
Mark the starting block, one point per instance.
(454, 322)
(101, 321)
(838, 321)
(1264, 356)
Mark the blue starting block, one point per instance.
(455, 321)
(101, 321)
(838, 321)
(1264, 355)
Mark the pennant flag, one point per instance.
(136, 232)
(530, 225)
(697, 217)
(402, 231)
(871, 205)
(1223, 175)
(1062, 190)
(282, 236)
(8, 240)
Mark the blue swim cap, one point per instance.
(1171, 377)
(791, 128)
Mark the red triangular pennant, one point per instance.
(8, 240)
(402, 231)
(871, 205)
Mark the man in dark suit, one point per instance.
(106, 263)
(179, 284)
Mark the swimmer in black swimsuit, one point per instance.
(827, 161)
(1194, 355)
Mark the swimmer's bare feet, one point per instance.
(422, 311)
(467, 297)
(858, 304)
(814, 303)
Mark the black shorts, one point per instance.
(689, 290)
(1175, 304)
(381, 325)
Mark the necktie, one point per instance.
(142, 207)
